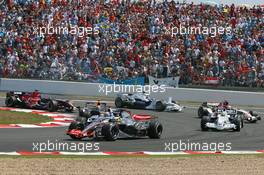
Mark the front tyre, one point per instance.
(78, 126)
(155, 129)
(201, 112)
(204, 120)
(238, 124)
(118, 102)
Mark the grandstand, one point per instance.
(120, 40)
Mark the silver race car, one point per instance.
(114, 124)
(142, 101)
(222, 120)
(249, 116)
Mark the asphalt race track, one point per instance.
(177, 127)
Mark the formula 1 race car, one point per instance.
(222, 120)
(92, 108)
(208, 108)
(114, 124)
(142, 101)
(249, 116)
(33, 100)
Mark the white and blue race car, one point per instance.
(222, 120)
(142, 101)
(208, 108)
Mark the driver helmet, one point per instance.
(225, 103)
(35, 94)
(110, 110)
(224, 113)
(98, 103)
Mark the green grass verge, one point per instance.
(12, 117)
(2, 94)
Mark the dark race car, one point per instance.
(90, 109)
(33, 100)
(114, 124)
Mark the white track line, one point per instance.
(132, 153)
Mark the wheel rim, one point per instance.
(159, 106)
(200, 112)
(50, 106)
(159, 130)
(9, 101)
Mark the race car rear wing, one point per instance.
(8, 94)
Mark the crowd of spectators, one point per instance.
(134, 40)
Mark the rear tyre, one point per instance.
(110, 132)
(160, 106)
(52, 106)
(204, 120)
(118, 102)
(155, 129)
(10, 101)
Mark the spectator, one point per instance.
(133, 40)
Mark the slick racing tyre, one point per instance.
(10, 101)
(52, 106)
(255, 115)
(202, 112)
(76, 125)
(155, 129)
(238, 123)
(110, 132)
(160, 106)
(118, 102)
(204, 120)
